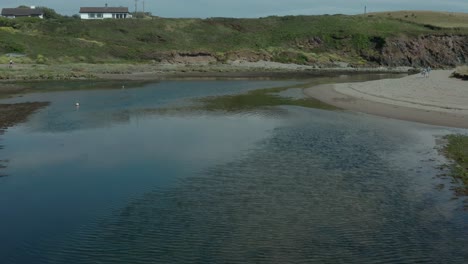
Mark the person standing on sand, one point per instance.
(424, 72)
(11, 64)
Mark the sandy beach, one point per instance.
(436, 100)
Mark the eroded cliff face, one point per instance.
(437, 51)
(433, 50)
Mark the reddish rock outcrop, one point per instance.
(432, 50)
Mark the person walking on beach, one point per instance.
(428, 71)
(424, 72)
(11, 64)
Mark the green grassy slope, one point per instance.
(70, 40)
(438, 19)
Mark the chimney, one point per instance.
(106, 4)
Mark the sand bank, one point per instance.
(437, 100)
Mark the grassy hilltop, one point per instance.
(436, 19)
(289, 39)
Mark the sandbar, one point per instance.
(436, 100)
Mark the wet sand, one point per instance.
(437, 100)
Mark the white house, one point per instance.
(104, 12)
(23, 12)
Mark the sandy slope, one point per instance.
(438, 100)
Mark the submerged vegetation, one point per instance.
(259, 99)
(457, 151)
(13, 114)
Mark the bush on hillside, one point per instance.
(6, 22)
(41, 59)
(11, 47)
(50, 13)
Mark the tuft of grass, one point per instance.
(17, 60)
(8, 29)
(457, 151)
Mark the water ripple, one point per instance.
(309, 194)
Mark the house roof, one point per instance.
(103, 9)
(22, 12)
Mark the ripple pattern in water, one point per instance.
(315, 192)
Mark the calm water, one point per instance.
(109, 183)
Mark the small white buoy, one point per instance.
(77, 104)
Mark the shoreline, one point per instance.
(437, 100)
(12, 81)
(411, 98)
(158, 71)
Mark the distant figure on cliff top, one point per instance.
(11, 64)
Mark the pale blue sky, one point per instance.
(250, 8)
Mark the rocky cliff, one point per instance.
(429, 50)
(436, 51)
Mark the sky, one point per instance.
(249, 8)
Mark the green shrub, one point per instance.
(40, 59)
(6, 22)
(11, 47)
(360, 42)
